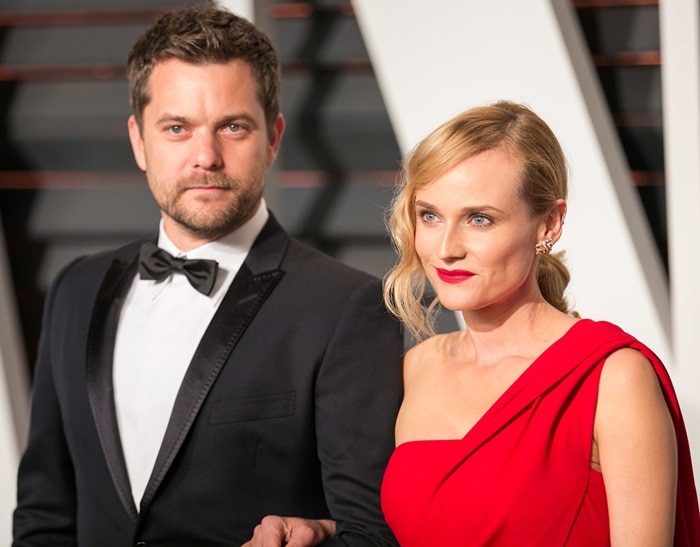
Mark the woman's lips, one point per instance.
(453, 276)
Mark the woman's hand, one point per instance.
(274, 531)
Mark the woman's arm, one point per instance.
(637, 450)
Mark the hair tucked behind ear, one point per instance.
(518, 131)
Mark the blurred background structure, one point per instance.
(69, 185)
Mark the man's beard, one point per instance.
(240, 204)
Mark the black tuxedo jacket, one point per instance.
(287, 407)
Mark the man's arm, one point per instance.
(46, 497)
(358, 394)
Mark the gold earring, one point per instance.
(543, 247)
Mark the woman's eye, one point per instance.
(427, 216)
(481, 220)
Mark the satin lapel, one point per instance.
(100, 352)
(242, 301)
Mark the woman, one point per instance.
(532, 426)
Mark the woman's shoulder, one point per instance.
(629, 390)
(436, 344)
(427, 355)
(627, 369)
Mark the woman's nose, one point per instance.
(451, 246)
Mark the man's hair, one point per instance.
(201, 35)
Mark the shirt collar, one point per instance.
(229, 251)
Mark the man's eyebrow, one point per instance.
(229, 118)
(170, 118)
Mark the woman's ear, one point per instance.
(554, 221)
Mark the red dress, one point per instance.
(522, 475)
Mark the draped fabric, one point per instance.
(522, 474)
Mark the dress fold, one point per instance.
(522, 474)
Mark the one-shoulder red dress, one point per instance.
(522, 475)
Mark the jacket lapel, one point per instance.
(250, 288)
(100, 352)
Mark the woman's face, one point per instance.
(475, 236)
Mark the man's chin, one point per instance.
(211, 214)
(207, 194)
(208, 227)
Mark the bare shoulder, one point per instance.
(630, 396)
(422, 413)
(636, 451)
(627, 371)
(421, 359)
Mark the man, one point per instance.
(165, 414)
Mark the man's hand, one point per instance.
(276, 531)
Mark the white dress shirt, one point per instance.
(160, 327)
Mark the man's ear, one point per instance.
(275, 139)
(136, 142)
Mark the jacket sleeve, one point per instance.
(46, 496)
(358, 394)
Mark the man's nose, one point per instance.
(206, 152)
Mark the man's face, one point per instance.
(205, 148)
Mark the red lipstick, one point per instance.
(453, 276)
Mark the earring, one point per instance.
(543, 247)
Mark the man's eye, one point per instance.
(176, 129)
(234, 127)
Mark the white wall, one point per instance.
(244, 8)
(680, 48)
(435, 59)
(13, 396)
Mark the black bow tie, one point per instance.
(157, 264)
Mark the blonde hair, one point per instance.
(532, 145)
